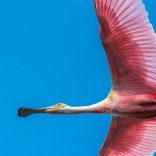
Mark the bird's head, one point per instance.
(54, 109)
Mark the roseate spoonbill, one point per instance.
(130, 45)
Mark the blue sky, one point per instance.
(51, 52)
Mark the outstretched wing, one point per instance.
(130, 137)
(130, 44)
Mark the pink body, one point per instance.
(138, 106)
(130, 45)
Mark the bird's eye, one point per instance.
(61, 105)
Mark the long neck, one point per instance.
(100, 107)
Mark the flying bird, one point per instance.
(129, 42)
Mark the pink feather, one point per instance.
(130, 45)
(130, 137)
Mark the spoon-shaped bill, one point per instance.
(24, 112)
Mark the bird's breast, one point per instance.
(111, 96)
(140, 106)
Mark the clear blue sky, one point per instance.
(50, 52)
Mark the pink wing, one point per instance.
(130, 137)
(130, 44)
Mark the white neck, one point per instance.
(100, 107)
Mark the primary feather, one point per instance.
(130, 137)
(130, 44)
